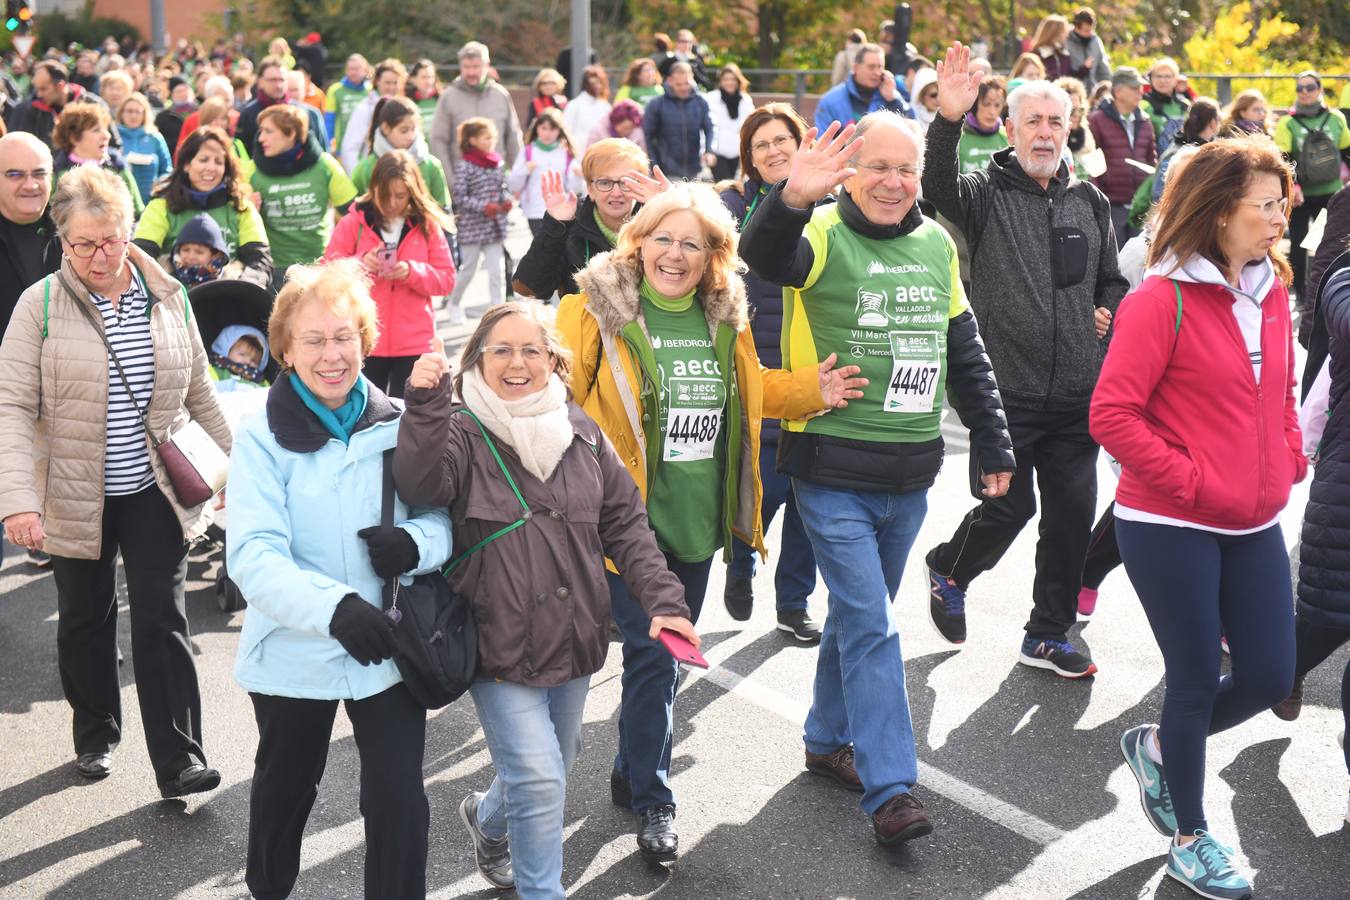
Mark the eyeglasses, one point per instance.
(605, 185)
(21, 175)
(1270, 206)
(879, 170)
(504, 353)
(690, 248)
(314, 343)
(1308, 88)
(87, 249)
(778, 143)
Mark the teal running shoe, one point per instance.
(1206, 867)
(1153, 793)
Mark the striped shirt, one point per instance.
(126, 461)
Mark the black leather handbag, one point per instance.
(435, 634)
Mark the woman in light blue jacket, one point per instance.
(305, 548)
(142, 144)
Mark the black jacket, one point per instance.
(38, 119)
(1335, 239)
(1324, 556)
(773, 246)
(1041, 262)
(27, 253)
(558, 252)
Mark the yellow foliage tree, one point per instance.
(1237, 43)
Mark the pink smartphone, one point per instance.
(388, 257)
(680, 648)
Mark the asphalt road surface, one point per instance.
(1022, 772)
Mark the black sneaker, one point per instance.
(946, 607)
(739, 597)
(799, 624)
(1057, 656)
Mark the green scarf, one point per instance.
(677, 304)
(610, 235)
(545, 148)
(342, 420)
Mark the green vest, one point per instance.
(974, 149)
(225, 215)
(343, 100)
(296, 211)
(882, 305)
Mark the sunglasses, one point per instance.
(1308, 88)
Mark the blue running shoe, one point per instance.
(946, 608)
(1153, 793)
(1057, 656)
(1206, 867)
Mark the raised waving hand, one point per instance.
(958, 87)
(821, 165)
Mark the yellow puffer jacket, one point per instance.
(54, 405)
(590, 324)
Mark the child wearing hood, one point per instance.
(239, 356)
(200, 254)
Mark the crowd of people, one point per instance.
(725, 314)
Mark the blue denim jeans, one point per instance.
(646, 717)
(862, 540)
(534, 736)
(794, 576)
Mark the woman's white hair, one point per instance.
(1038, 90)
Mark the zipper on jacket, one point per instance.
(1263, 455)
(1054, 315)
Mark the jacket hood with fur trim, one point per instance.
(611, 288)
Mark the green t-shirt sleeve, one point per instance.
(154, 223)
(137, 203)
(435, 178)
(957, 302)
(1344, 142)
(251, 227)
(341, 191)
(361, 174)
(1284, 135)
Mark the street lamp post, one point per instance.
(581, 43)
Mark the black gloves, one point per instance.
(362, 630)
(391, 553)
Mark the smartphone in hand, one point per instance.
(679, 647)
(388, 257)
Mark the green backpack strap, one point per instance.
(1176, 329)
(46, 304)
(525, 517)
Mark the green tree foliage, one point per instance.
(56, 29)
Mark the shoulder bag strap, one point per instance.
(525, 507)
(387, 523)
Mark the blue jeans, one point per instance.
(862, 540)
(534, 736)
(794, 576)
(646, 716)
(1195, 585)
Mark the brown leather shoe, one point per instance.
(1289, 708)
(837, 765)
(900, 819)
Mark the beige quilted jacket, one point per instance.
(54, 406)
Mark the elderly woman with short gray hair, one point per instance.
(101, 360)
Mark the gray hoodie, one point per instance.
(1080, 49)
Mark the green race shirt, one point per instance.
(298, 209)
(433, 173)
(882, 305)
(340, 101)
(974, 149)
(1291, 130)
(684, 501)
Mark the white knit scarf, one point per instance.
(537, 427)
(419, 150)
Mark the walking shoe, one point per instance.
(837, 765)
(620, 790)
(900, 819)
(40, 558)
(1289, 708)
(193, 779)
(946, 607)
(1057, 656)
(1153, 793)
(799, 624)
(656, 837)
(1223, 645)
(94, 765)
(1206, 867)
(1087, 603)
(493, 857)
(739, 596)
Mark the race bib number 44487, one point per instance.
(915, 372)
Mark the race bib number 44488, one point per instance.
(694, 419)
(914, 373)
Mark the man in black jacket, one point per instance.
(52, 90)
(875, 283)
(29, 245)
(1044, 282)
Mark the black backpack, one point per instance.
(1319, 160)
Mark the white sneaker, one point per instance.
(456, 313)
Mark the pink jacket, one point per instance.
(407, 319)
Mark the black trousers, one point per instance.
(725, 167)
(1103, 552)
(1299, 219)
(144, 527)
(1058, 449)
(293, 735)
(388, 373)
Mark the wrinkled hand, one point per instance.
(398, 271)
(362, 630)
(642, 187)
(996, 484)
(821, 165)
(958, 87)
(677, 624)
(429, 369)
(838, 386)
(1102, 319)
(559, 202)
(392, 552)
(25, 530)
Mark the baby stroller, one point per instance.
(217, 305)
